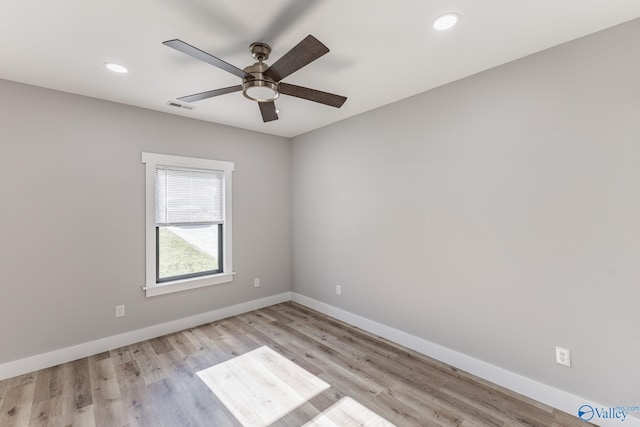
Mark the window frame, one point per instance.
(152, 287)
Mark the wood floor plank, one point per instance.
(277, 312)
(17, 405)
(389, 407)
(274, 331)
(77, 404)
(215, 351)
(47, 413)
(168, 404)
(501, 405)
(77, 384)
(43, 381)
(121, 355)
(231, 337)
(140, 410)
(49, 384)
(435, 410)
(129, 375)
(340, 377)
(193, 360)
(182, 344)
(147, 362)
(155, 383)
(160, 345)
(108, 406)
(257, 315)
(83, 417)
(193, 392)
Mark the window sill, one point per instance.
(186, 284)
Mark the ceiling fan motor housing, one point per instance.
(259, 88)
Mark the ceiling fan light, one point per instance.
(260, 90)
(446, 21)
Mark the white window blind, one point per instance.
(188, 196)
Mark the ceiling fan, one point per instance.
(261, 82)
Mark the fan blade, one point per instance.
(210, 94)
(312, 95)
(268, 111)
(305, 52)
(186, 48)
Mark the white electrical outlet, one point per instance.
(256, 283)
(563, 357)
(119, 310)
(338, 290)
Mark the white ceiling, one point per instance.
(381, 51)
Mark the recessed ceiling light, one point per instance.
(446, 21)
(116, 68)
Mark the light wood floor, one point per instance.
(155, 383)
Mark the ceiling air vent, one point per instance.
(177, 104)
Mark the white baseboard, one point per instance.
(548, 395)
(46, 360)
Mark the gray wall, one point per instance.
(498, 216)
(72, 217)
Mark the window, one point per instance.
(188, 223)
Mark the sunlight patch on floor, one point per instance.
(261, 386)
(348, 413)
